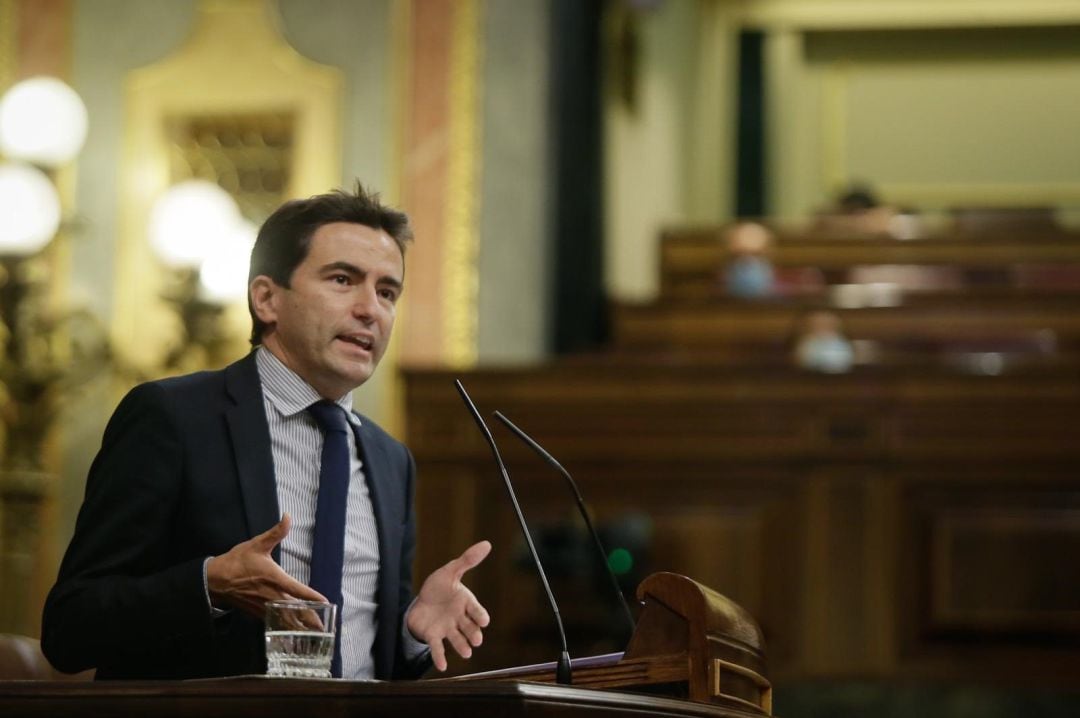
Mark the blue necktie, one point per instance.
(328, 545)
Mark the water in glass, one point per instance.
(302, 654)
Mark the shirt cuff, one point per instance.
(214, 611)
(412, 647)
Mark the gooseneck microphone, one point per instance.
(562, 669)
(532, 443)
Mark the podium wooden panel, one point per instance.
(689, 642)
(695, 652)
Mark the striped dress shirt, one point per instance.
(296, 444)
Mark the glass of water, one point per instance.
(300, 638)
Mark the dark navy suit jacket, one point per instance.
(185, 471)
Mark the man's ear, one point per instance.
(263, 292)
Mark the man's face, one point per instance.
(332, 324)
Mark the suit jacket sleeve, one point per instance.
(122, 585)
(403, 667)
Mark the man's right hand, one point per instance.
(247, 577)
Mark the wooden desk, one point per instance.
(690, 259)
(701, 325)
(693, 653)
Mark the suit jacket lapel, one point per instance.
(386, 498)
(385, 494)
(250, 435)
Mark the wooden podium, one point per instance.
(693, 653)
(689, 643)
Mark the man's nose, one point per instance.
(365, 303)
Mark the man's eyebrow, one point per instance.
(391, 281)
(352, 269)
(343, 267)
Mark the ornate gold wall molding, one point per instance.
(710, 176)
(834, 146)
(235, 68)
(391, 410)
(882, 14)
(461, 276)
(7, 43)
(440, 169)
(933, 195)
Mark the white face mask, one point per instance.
(828, 353)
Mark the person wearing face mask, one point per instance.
(207, 497)
(821, 345)
(747, 273)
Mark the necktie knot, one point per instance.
(329, 416)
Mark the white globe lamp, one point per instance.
(190, 220)
(223, 276)
(29, 210)
(42, 121)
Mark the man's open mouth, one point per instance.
(366, 343)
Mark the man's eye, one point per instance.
(340, 279)
(388, 294)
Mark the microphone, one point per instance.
(581, 507)
(562, 669)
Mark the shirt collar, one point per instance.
(288, 392)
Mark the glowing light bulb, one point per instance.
(190, 220)
(42, 121)
(29, 209)
(223, 276)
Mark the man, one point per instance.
(201, 504)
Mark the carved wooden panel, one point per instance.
(999, 563)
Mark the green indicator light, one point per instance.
(620, 561)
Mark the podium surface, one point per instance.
(263, 697)
(693, 653)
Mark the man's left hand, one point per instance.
(446, 610)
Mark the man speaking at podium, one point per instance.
(216, 492)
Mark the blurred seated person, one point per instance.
(910, 277)
(820, 344)
(858, 211)
(747, 272)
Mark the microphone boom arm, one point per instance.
(553, 462)
(562, 671)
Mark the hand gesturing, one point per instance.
(446, 609)
(246, 577)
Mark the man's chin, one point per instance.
(357, 373)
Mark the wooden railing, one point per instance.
(690, 259)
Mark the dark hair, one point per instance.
(285, 236)
(857, 198)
